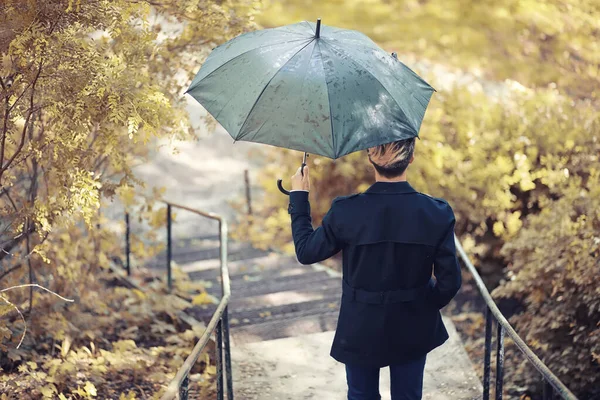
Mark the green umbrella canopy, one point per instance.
(317, 89)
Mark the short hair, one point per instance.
(392, 159)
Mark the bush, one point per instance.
(553, 271)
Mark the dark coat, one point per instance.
(392, 238)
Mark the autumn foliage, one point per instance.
(511, 140)
(86, 89)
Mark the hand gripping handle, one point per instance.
(279, 181)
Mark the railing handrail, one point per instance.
(207, 214)
(219, 321)
(184, 370)
(537, 363)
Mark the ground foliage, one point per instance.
(86, 88)
(112, 342)
(517, 159)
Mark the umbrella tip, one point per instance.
(318, 32)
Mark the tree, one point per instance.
(87, 86)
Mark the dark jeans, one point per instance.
(406, 381)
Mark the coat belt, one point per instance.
(385, 297)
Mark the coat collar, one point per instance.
(391, 188)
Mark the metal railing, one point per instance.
(219, 323)
(552, 385)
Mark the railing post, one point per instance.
(227, 351)
(548, 391)
(127, 245)
(169, 249)
(487, 358)
(219, 359)
(225, 318)
(183, 390)
(499, 362)
(248, 192)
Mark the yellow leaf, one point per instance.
(124, 345)
(66, 346)
(128, 396)
(514, 223)
(90, 389)
(498, 228)
(48, 391)
(203, 298)
(211, 370)
(526, 184)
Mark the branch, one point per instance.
(97, 164)
(22, 317)
(45, 175)
(20, 96)
(4, 127)
(11, 200)
(19, 311)
(13, 242)
(24, 133)
(27, 245)
(17, 151)
(39, 287)
(14, 268)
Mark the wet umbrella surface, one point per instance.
(317, 89)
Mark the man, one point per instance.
(392, 238)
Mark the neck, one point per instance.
(379, 178)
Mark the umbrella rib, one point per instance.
(310, 26)
(238, 56)
(381, 84)
(267, 85)
(335, 152)
(297, 108)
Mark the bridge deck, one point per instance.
(299, 367)
(282, 317)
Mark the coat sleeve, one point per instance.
(446, 268)
(312, 245)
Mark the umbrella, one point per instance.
(313, 88)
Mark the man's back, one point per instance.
(392, 238)
(390, 234)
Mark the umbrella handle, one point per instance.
(281, 189)
(280, 185)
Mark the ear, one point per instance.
(412, 159)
